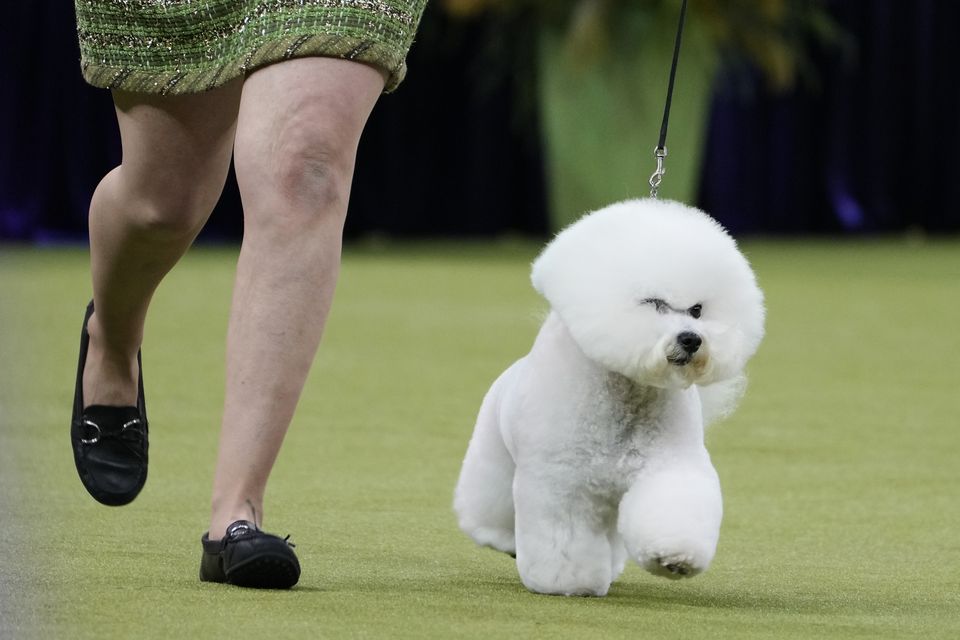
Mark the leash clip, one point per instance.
(659, 153)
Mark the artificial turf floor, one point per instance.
(840, 470)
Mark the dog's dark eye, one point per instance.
(657, 303)
(695, 310)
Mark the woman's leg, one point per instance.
(144, 215)
(298, 129)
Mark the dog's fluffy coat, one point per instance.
(589, 449)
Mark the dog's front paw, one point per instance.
(674, 555)
(565, 578)
(674, 565)
(670, 522)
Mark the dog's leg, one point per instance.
(618, 553)
(670, 517)
(483, 499)
(562, 543)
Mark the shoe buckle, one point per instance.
(99, 432)
(137, 433)
(96, 438)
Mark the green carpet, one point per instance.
(840, 470)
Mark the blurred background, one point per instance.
(819, 119)
(790, 117)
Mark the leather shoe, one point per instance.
(249, 557)
(109, 443)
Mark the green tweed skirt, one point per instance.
(188, 46)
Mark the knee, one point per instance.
(296, 182)
(175, 204)
(313, 171)
(176, 215)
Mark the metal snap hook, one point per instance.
(657, 177)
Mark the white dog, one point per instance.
(590, 448)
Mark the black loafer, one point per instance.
(248, 557)
(109, 443)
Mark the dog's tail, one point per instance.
(720, 399)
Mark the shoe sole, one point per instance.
(265, 571)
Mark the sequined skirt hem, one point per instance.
(203, 78)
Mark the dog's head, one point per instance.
(656, 291)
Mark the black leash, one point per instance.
(661, 151)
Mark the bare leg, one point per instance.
(298, 129)
(144, 215)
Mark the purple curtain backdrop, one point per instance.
(872, 149)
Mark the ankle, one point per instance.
(227, 512)
(110, 375)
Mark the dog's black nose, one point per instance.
(689, 341)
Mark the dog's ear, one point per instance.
(719, 400)
(583, 254)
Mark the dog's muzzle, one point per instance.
(686, 345)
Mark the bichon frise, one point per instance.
(590, 448)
